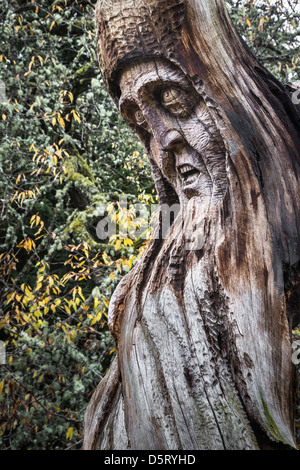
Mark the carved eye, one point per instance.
(177, 102)
(169, 96)
(140, 120)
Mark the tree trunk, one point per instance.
(202, 323)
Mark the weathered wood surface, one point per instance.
(203, 322)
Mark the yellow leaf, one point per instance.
(248, 23)
(69, 434)
(1, 386)
(61, 121)
(11, 297)
(129, 242)
(80, 293)
(67, 310)
(21, 198)
(118, 244)
(25, 317)
(42, 268)
(4, 117)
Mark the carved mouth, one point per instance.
(188, 173)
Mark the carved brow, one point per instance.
(153, 81)
(128, 106)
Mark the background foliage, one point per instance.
(64, 153)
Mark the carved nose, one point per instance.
(171, 140)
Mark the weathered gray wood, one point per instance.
(202, 323)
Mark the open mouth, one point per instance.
(188, 173)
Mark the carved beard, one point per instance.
(210, 304)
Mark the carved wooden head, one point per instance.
(178, 130)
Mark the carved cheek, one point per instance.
(164, 160)
(155, 150)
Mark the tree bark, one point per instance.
(203, 322)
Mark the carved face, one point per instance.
(175, 123)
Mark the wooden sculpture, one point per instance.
(203, 322)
